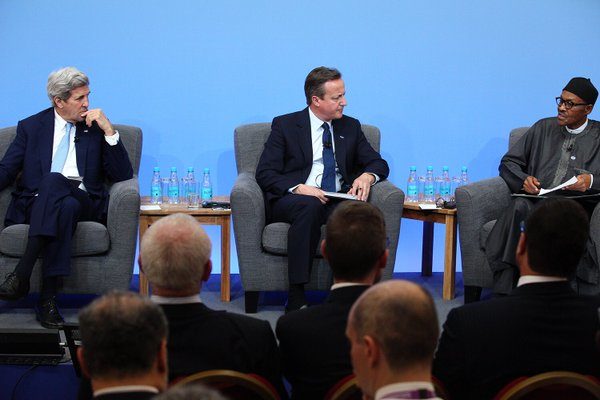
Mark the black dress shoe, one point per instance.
(48, 315)
(13, 288)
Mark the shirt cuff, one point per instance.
(375, 176)
(591, 181)
(112, 140)
(291, 190)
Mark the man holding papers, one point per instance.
(308, 153)
(550, 153)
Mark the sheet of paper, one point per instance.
(562, 185)
(150, 207)
(427, 206)
(340, 195)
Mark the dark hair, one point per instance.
(121, 334)
(355, 239)
(556, 232)
(313, 85)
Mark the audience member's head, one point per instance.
(554, 238)
(355, 244)
(124, 341)
(175, 255)
(61, 82)
(393, 332)
(314, 85)
(190, 392)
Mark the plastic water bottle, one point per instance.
(190, 182)
(429, 189)
(412, 189)
(445, 184)
(206, 186)
(173, 187)
(464, 178)
(156, 187)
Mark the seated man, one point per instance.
(175, 256)
(124, 346)
(315, 352)
(549, 153)
(543, 325)
(308, 153)
(393, 331)
(65, 140)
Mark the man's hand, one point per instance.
(101, 119)
(583, 183)
(531, 185)
(311, 191)
(362, 186)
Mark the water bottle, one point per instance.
(429, 189)
(173, 187)
(206, 186)
(412, 186)
(464, 178)
(445, 184)
(190, 182)
(156, 187)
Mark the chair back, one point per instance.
(553, 385)
(234, 385)
(249, 141)
(345, 389)
(515, 135)
(131, 136)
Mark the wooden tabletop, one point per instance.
(166, 209)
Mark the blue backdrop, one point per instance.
(444, 80)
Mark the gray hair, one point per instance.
(401, 317)
(192, 391)
(61, 82)
(174, 251)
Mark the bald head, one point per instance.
(401, 317)
(175, 253)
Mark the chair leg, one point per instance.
(251, 301)
(472, 294)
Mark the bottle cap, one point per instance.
(413, 167)
(156, 169)
(430, 168)
(190, 169)
(206, 170)
(464, 169)
(173, 169)
(444, 168)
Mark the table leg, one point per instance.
(449, 258)
(225, 251)
(144, 289)
(427, 250)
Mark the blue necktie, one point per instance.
(60, 157)
(328, 180)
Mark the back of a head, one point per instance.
(556, 232)
(174, 252)
(401, 317)
(121, 334)
(355, 240)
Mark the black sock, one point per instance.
(26, 263)
(49, 287)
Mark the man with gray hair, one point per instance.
(393, 331)
(175, 256)
(124, 346)
(64, 141)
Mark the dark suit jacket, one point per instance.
(201, 339)
(286, 160)
(539, 327)
(314, 349)
(31, 154)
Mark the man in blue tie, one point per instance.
(65, 140)
(309, 153)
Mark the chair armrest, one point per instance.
(123, 210)
(248, 212)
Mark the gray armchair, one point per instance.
(102, 256)
(262, 247)
(479, 205)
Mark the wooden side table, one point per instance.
(429, 217)
(206, 216)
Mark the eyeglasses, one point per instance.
(568, 103)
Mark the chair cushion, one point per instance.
(485, 232)
(274, 238)
(90, 238)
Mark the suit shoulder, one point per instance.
(246, 321)
(36, 118)
(292, 117)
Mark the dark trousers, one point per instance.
(53, 214)
(305, 214)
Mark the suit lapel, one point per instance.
(46, 141)
(340, 143)
(304, 138)
(81, 146)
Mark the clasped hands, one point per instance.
(360, 188)
(531, 185)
